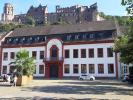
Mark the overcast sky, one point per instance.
(110, 7)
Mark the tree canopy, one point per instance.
(124, 43)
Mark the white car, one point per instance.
(86, 77)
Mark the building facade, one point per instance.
(65, 51)
(69, 15)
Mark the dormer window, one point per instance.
(69, 37)
(30, 38)
(84, 36)
(91, 36)
(76, 37)
(16, 39)
(23, 38)
(10, 40)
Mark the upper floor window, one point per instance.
(67, 54)
(75, 53)
(41, 54)
(5, 56)
(12, 55)
(109, 52)
(91, 53)
(54, 52)
(83, 53)
(34, 54)
(100, 52)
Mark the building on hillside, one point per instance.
(69, 15)
(8, 14)
(65, 51)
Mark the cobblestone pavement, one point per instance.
(68, 89)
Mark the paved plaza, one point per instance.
(68, 89)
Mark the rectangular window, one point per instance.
(41, 69)
(109, 52)
(5, 56)
(35, 69)
(34, 54)
(67, 54)
(100, 52)
(75, 53)
(83, 53)
(66, 69)
(41, 54)
(75, 68)
(91, 68)
(100, 68)
(83, 69)
(91, 53)
(110, 68)
(4, 71)
(12, 55)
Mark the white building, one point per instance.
(65, 50)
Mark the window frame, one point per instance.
(75, 53)
(67, 66)
(90, 53)
(100, 71)
(100, 53)
(83, 53)
(67, 53)
(77, 69)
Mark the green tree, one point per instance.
(124, 43)
(129, 5)
(30, 21)
(23, 63)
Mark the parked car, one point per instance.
(86, 77)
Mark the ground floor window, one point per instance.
(110, 68)
(66, 68)
(83, 69)
(75, 69)
(100, 68)
(91, 68)
(41, 69)
(4, 71)
(35, 70)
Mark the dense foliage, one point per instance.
(124, 43)
(122, 20)
(23, 63)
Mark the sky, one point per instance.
(109, 7)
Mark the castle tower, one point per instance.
(7, 12)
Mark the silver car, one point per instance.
(86, 77)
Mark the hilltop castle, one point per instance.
(70, 15)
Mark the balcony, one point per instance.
(53, 59)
